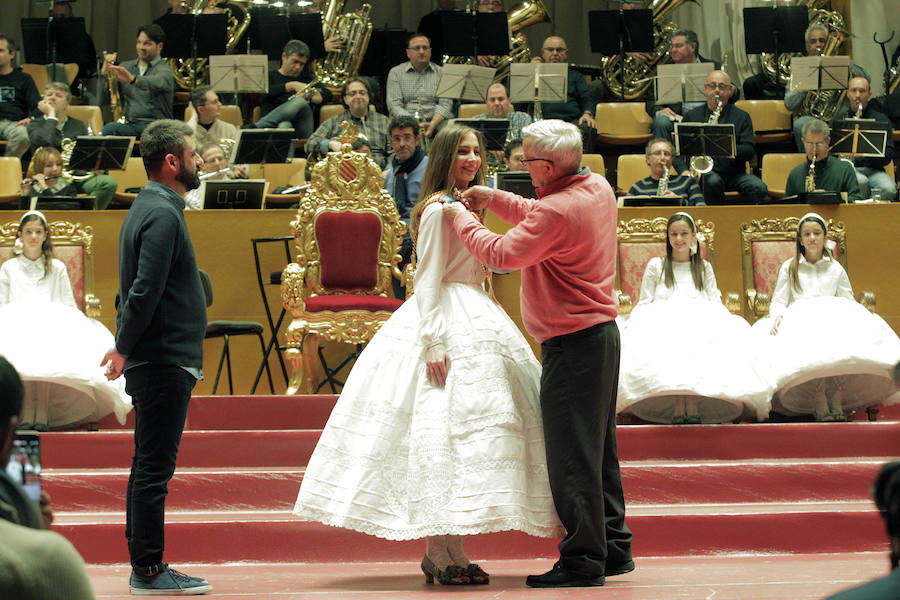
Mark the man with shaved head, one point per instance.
(727, 173)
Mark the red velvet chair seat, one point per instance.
(351, 302)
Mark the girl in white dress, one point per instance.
(55, 348)
(437, 432)
(846, 364)
(685, 358)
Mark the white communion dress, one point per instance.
(54, 347)
(403, 459)
(825, 333)
(680, 341)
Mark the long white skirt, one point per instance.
(678, 348)
(57, 352)
(402, 459)
(829, 337)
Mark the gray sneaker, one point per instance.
(167, 582)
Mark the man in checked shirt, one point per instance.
(411, 86)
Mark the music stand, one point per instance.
(493, 130)
(56, 40)
(776, 29)
(544, 82)
(682, 83)
(193, 36)
(809, 73)
(101, 152)
(812, 198)
(58, 203)
(260, 146)
(517, 182)
(652, 201)
(248, 194)
(615, 32)
(859, 137)
(705, 139)
(465, 82)
(239, 73)
(483, 27)
(387, 47)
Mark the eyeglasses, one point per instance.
(661, 153)
(559, 49)
(816, 144)
(528, 160)
(720, 86)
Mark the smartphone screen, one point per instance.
(24, 465)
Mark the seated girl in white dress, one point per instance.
(437, 432)
(827, 353)
(55, 348)
(685, 358)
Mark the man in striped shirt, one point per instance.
(659, 157)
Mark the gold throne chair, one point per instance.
(639, 240)
(347, 236)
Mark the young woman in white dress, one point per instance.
(55, 348)
(685, 358)
(827, 353)
(437, 432)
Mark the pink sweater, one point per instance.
(565, 245)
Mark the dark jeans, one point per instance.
(160, 394)
(135, 128)
(578, 401)
(752, 189)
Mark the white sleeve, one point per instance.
(62, 287)
(710, 288)
(4, 284)
(844, 290)
(431, 260)
(651, 280)
(783, 295)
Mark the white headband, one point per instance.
(812, 215)
(689, 217)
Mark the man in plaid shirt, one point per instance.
(411, 86)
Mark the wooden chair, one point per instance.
(467, 111)
(230, 114)
(639, 240)
(631, 168)
(10, 180)
(623, 123)
(771, 120)
(594, 162)
(329, 110)
(348, 236)
(134, 176)
(89, 114)
(775, 171)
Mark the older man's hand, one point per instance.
(451, 209)
(478, 197)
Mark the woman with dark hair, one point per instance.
(847, 364)
(685, 359)
(53, 346)
(437, 433)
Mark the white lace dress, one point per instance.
(827, 339)
(402, 459)
(55, 348)
(681, 341)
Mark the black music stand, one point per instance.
(101, 152)
(58, 203)
(859, 137)
(56, 40)
(387, 47)
(776, 29)
(615, 32)
(811, 198)
(248, 194)
(705, 139)
(193, 36)
(260, 146)
(652, 201)
(493, 130)
(483, 27)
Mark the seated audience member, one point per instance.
(684, 50)
(659, 158)
(816, 38)
(411, 86)
(18, 100)
(403, 180)
(214, 164)
(727, 173)
(287, 105)
(146, 84)
(207, 126)
(886, 492)
(831, 174)
(47, 179)
(372, 125)
(659, 382)
(870, 172)
(53, 345)
(579, 105)
(499, 107)
(35, 564)
(54, 125)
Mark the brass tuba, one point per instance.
(767, 60)
(638, 76)
(354, 29)
(824, 104)
(520, 16)
(237, 19)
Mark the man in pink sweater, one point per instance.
(565, 245)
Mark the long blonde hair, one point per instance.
(439, 171)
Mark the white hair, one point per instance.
(558, 140)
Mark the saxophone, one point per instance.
(810, 184)
(663, 186)
(638, 76)
(354, 29)
(115, 99)
(237, 19)
(704, 164)
(824, 104)
(859, 109)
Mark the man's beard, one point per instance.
(189, 179)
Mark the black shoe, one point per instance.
(559, 576)
(166, 582)
(619, 568)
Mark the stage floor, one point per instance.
(757, 577)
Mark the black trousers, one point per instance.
(160, 394)
(578, 402)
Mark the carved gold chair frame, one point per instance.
(653, 231)
(66, 237)
(343, 182)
